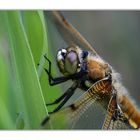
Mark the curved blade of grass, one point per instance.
(38, 40)
(32, 102)
(35, 33)
(34, 24)
(50, 93)
(6, 121)
(8, 102)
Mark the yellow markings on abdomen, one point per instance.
(130, 111)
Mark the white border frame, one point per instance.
(69, 135)
(70, 4)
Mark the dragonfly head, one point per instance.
(68, 60)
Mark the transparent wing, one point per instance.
(68, 32)
(111, 123)
(71, 114)
(119, 125)
(112, 106)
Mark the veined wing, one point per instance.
(120, 122)
(68, 32)
(119, 125)
(71, 114)
(96, 92)
(112, 106)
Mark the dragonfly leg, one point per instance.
(54, 81)
(59, 80)
(119, 115)
(58, 100)
(45, 120)
(64, 98)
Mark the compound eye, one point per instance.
(61, 54)
(72, 57)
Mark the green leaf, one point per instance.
(29, 90)
(35, 33)
(23, 42)
(5, 117)
(20, 121)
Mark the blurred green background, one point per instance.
(23, 42)
(25, 36)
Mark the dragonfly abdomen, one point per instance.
(130, 111)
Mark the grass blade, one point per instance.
(31, 97)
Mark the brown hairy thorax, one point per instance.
(96, 69)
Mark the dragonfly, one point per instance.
(89, 72)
